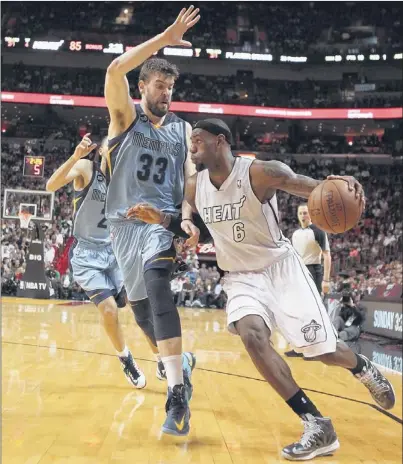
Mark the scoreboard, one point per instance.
(34, 166)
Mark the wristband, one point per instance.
(174, 226)
(328, 281)
(172, 223)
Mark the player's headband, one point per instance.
(213, 128)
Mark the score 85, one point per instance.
(75, 46)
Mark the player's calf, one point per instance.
(319, 437)
(365, 371)
(110, 317)
(168, 334)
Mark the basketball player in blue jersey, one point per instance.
(267, 284)
(148, 162)
(94, 265)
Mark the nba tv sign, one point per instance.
(34, 283)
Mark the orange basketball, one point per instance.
(333, 207)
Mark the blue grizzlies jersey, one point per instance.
(146, 165)
(90, 224)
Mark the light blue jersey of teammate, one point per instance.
(92, 259)
(90, 225)
(146, 165)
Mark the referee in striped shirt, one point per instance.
(311, 244)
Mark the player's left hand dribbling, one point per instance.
(353, 185)
(194, 233)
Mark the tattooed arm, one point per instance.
(269, 176)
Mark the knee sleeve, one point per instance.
(166, 317)
(121, 298)
(144, 318)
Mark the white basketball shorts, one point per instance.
(285, 296)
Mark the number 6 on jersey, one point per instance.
(238, 230)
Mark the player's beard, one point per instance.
(155, 110)
(200, 167)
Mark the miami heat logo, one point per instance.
(310, 330)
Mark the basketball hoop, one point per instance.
(25, 219)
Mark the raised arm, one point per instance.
(269, 176)
(74, 168)
(117, 94)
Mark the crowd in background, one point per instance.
(369, 252)
(371, 249)
(203, 88)
(274, 27)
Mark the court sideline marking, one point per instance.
(373, 406)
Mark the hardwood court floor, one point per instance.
(65, 399)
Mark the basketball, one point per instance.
(333, 207)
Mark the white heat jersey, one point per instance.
(246, 233)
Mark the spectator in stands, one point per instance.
(350, 319)
(176, 288)
(187, 293)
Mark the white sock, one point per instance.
(157, 357)
(124, 353)
(173, 368)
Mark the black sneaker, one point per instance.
(161, 372)
(318, 439)
(132, 371)
(293, 354)
(178, 412)
(378, 385)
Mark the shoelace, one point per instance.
(311, 430)
(130, 366)
(175, 400)
(370, 379)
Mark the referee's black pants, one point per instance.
(316, 271)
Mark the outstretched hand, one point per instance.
(146, 213)
(186, 19)
(84, 147)
(151, 215)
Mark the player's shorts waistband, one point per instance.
(124, 222)
(93, 246)
(288, 251)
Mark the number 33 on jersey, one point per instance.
(146, 165)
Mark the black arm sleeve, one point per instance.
(175, 227)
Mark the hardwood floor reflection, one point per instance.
(66, 400)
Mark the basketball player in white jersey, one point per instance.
(268, 286)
